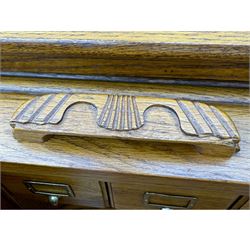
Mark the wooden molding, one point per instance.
(158, 56)
(127, 117)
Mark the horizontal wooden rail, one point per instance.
(220, 56)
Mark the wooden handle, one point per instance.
(127, 117)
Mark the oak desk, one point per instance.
(104, 169)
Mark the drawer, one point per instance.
(45, 192)
(178, 196)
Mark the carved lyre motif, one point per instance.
(121, 116)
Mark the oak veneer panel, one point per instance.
(183, 55)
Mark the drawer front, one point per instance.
(159, 200)
(32, 192)
(139, 196)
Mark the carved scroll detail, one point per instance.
(199, 123)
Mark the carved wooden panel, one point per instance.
(125, 117)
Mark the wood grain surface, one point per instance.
(165, 55)
(132, 196)
(114, 155)
(41, 86)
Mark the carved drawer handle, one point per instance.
(120, 116)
